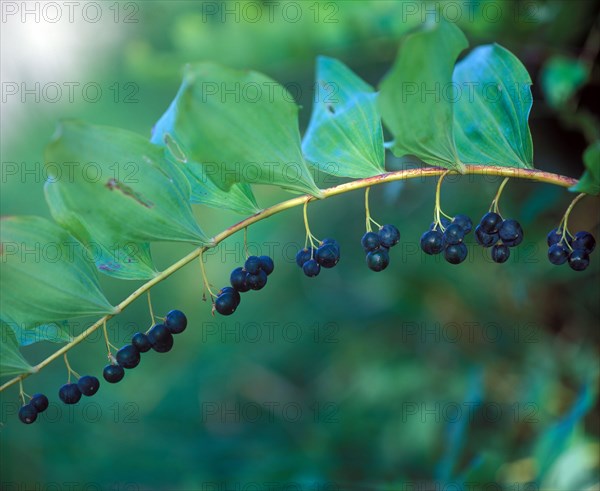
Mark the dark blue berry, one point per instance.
(233, 291)
(558, 254)
(584, 240)
(238, 280)
(370, 241)
(311, 268)
(39, 402)
(378, 260)
(252, 265)
(511, 233)
(554, 236)
(490, 222)
(464, 222)
(176, 321)
(69, 394)
(329, 241)
(141, 342)
(303, 256)
(328, 255)
(28, 413)
(128, 356)
(454, 234)
(432, 242)
(500, 253)
(88, 385)
(267, 264)
(257, 281)
(113, 373)
(579, 259)
(484, 239)
(225, 303)
(160, 338)
(389, 235)
(455, 253)
(445, 223)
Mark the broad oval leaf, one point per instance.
(53, 332)
(345, 125)
(117, 182)
(11, 360)
(492, 109)
(46, 274)
(415, 97)
(239, 126)
(590, 180)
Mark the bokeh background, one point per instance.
(426, 375)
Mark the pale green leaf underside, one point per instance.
(54, 332)
(492, 109)
(344, 137)
(11, 360)
(46, 274)
(590, 180)
(138, 195)
(412, 98)
(239, 126)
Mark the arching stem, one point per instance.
(564, 222)
(368, 218)
(494, 206)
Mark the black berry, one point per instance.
(233, 291)
(454, 234)
(490, 222)
(370, 241)
(141, 342)
(176, 321)
(311, 268)
(554, 237)
(579, 259)
(267, 264)
(378, 260)
(28, 414)
(484, 239)
(160, 338)
(69, 394)
(113, 373)
(39, 402)
(389, 235)
(128, 356)
(88, 385)
(584, 240)
(303, 256)
(511, 232)
(432, 242)
(455, 253)
(225, 303)
(500, 253)
(257, 281)
(238, 280)
(252, 265)
(558, 254)
(444, 221)
(328, 254)
(464, 222)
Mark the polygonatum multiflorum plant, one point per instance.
(210, 147)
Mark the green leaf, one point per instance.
(53, 332)
(415, 99)
(561, 77)
(492, 110)
(590, 180)
(11, 360)
(118, 183)
(345, 126)
(46, 274)
(112, 256)
(237, 126)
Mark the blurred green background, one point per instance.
(426, 375)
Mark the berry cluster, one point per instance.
(447, 236)
(28, 412)
(70, 393)
(563, 247)
(327, 255)
(253, 276)
(499, 234)
(159, 338)
(377, 246)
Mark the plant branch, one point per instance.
(529, 174)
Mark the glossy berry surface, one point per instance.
(266, 264)
(432, 242)
(389, 235)
(303, 256)
(238, 279)
(445, 223)
(176, 321)
(28, 414)
(500, 253)
(141, 342)
(69, 394)
(257, 281)
(579, 260)
(113, 373)
(490, 222)
(252, 265)
(225, 304)
(558, 254)
(511, 232)
(311, 268)
(88, 385)
(328, 255)
(370, 241)
(454, 234)
(233, 291)
(584, 240)
(455, 253)
(160, 338)
(464, 222)
(39, 402)
(554, 237)
(378, 260)
(484, 239)
(128, 356)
